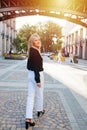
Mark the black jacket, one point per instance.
(35, 63)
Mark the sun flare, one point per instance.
(35, 19)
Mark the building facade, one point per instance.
(7, 35)
(76, 41)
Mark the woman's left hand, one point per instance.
(39, 84)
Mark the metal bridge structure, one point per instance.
(72, 10)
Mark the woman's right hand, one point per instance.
(39, 84)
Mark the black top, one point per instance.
(35, 63)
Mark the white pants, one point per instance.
(35, 93)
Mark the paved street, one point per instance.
(65, 95)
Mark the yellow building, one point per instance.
(7, 35)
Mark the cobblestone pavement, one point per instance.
(63, 111)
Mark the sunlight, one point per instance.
(35, 19)
(70, 81)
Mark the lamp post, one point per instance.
(7, 47)
(3, 35)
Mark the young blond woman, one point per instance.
(35, 80)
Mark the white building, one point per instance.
(76, 40)
(7, 35)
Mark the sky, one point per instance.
(35, 19)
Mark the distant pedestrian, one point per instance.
(59, 57)
(71, 57)
(10, 52)
(35, 80)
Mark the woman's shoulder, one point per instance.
(33, 51)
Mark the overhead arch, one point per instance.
(72, 10)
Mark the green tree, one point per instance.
(17, 42)
(20, 42)
(47, 31)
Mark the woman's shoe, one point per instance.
(40, 113)
(29, 124)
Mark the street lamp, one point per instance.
(2, 34)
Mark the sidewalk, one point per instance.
(80, 61)
(82, 64)
(63, 111)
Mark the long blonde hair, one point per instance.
(31, 38)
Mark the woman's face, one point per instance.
(36, 42)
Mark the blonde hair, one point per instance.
(31, 38)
